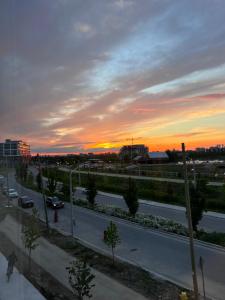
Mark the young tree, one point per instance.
(198, 204)
(80, 279)
(111, 238)
(52, 183)
(91, 190)
(39, 181)
(31, 233)
(130, 197)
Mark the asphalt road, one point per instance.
(163, 254)
(209, 223)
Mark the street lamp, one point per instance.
(44, 197)
(194, 173)
(71, 196)
(71, 201)
(7, 182)
(201, 266)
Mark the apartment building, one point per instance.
(14, 149)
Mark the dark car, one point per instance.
(25, 202)
(54, 202)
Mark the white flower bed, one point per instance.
(140, 218)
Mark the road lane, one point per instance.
(164, 254)
(209, 221)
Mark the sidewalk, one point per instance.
(54, 260)
(160, 179)
(18, 288)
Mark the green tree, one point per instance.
(172, 155)
(91, 190)
(198, 203)
(112, 238)
(30, 233)
(130, 197)
(30, 179)
(80, 279)
(39, 181)
(65, 190)
(21, 171)
(52, 183)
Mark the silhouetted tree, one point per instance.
(21, 171)
(91, 190)
(65, 189)
(130, 197)
(39, 181)
(173, 155)
(198, 203)
(30, 179)
(52, 183)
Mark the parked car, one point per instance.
(25, 202)
(54, 202)
(12, 193)
(4, 189)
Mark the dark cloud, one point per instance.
(100, 53)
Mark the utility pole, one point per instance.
(201, 265)
(7, 181)
(131, 152)
(190, 228)
(194, 170)
(71, 202)
(7, 174)
(79, 177)
(44, 199)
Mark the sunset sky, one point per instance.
(88, 75)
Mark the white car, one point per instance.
(12, 193)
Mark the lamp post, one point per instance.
(79, 177)
(201, 266)
(71, 202)
(7, 182)
(194, 174)
(72, 222)
(190, 228)
(44, 198)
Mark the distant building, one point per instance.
(152, 158)
(217, 148)
(200, 149)
(158, 157)
(131, 151)
(14, 149)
